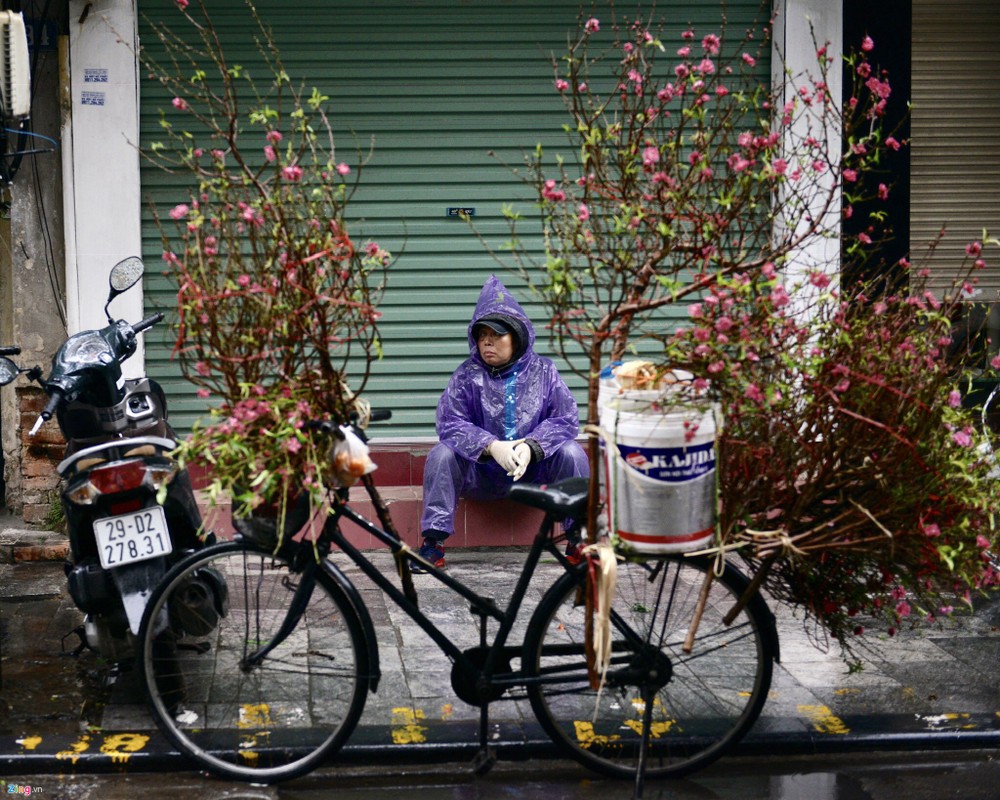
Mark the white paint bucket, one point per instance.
(661, 482)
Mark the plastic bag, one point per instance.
(350, 459)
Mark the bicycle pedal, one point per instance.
(483, 761)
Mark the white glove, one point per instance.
(522, 458)
(503, 453)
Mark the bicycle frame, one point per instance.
(489, 676)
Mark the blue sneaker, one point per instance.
(432, 551)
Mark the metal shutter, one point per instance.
(438, 85)
(955, 153)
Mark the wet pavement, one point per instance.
(935, 689)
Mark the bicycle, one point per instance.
(268, 682)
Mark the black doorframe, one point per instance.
(889, 23)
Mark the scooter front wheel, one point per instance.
(260, 720)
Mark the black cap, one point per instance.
(499, 327)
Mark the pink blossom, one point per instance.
(710, 44)
(274, 137)
(179, 211)
(292, 173)
(550, 192)
(293, 445)
(903, 608)
(850, 175)
(962, 438)
(343, 169)
(583, 213)
(974, 249)
(269, 154)
(954, 398)
(749, 60)
(202, 368)
(995, 362)
(683, 52)
(650, 157)
(561, 85)
(754, 393)
(204, 394)
(706, 66)
(179, 103)
(737, 163)
(892, 143)
(182, 4)
(715, 367)
(867, 44)
(695, 312)
(243, 280)
(592, 25)
(819, 279)
(780, 166)
(779, 297)
(883, 192)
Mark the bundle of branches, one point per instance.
(851, 478)
(275, 300)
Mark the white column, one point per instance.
(800, 27)
(101, 162)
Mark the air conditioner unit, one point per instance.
(15, 75)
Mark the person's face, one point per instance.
(494, 349)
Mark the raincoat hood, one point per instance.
(496, 302)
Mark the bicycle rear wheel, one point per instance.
(703, 701)
(264, 722)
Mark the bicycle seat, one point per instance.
(567, 498)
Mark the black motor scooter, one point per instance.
(130, 508)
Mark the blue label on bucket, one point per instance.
(670, 464)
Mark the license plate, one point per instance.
(128, 538)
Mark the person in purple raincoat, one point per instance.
(506, 414)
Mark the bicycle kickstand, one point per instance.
(485, 759)
(647, 720)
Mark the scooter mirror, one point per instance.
(126, 274)
(8, 371)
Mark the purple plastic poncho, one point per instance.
(525, 399)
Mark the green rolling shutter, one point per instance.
(437, 86)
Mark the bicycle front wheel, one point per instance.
(254, 719)
(703, 701)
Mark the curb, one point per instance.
(109, 752)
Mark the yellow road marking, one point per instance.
(30, 742)
(120, 746)
(823, 719)
(81, 745)
(406, 728)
